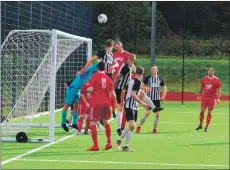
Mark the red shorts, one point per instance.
(82, 109)
(208, 102)
(100, 112)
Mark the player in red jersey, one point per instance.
(209, 95)
(102, 89)
(84, 108)
(121, 56)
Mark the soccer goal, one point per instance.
(35, 64)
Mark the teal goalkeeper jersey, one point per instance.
(81, 79)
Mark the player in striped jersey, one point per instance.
(130, 105)
(154, 82)
(121, 81)
(106, 56)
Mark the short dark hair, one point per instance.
(139, 70)
(101, 66)
(109, 43)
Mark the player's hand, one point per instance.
(162, 99)
(148, 89)
(82, 70)
(115, 104)
(87, 105)
(144, 105)
(218, 101)
(198, 98)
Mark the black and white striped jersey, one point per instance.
(124, 75)
(107, 57)
(154, 83)
(133, 85)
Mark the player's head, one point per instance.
(118, 46)
(132, 58)
(154, 70)
(109, 45)
(211, 71)
(139, 72)
(101, 66)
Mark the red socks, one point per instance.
(209, 117)
(87, 124)
(93, 129)
(80, 122)
(201, 118)
(108, 133)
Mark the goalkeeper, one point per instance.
(73, 94)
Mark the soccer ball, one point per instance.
(102, 18)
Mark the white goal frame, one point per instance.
(55, 33)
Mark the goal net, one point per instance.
(35, 64)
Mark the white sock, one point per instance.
(128, 138)
(142, 121)
(156, 122)
(148, 101)
(124, 133)
(119, 119)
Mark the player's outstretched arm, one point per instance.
(89, 62)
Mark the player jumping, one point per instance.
(73, 94)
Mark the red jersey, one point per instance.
(120, 58)
(102, 85)
(87, 95)
(210, 85)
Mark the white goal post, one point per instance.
(34, 66)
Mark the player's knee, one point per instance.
(131, 124)
(147, 113)
(210, 111)
(203, 110)
(65, 107)
(157, 114)
(105, 122)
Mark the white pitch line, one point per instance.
(130, 163)
(184, 123)
(35, 150)
(198, 113)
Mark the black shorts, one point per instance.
(118, 95)
(157, 103)
(131, 114)
(71, 106)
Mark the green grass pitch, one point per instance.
(177, 146)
